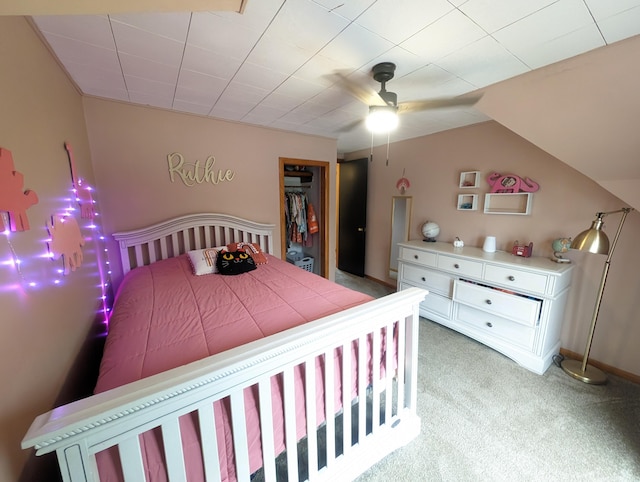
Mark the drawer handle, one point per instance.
(423, 278)
(489, 324)
(456, 266)
(511, 278)
(415, 256)
(488, 302)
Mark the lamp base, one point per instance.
(591, 374)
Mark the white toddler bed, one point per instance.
(121, 417)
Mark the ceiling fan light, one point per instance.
(382, 119)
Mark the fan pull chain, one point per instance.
(388, 137)
(371, 154)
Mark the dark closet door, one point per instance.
(352, 215)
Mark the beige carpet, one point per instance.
(484, 418)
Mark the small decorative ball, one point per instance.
(430, 231)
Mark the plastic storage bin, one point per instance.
(305, 263)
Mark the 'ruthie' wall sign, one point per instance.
(192, 173)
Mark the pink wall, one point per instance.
(41, 327)
(564, 206)
(130, 145)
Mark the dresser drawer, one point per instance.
(419, 257)
(437, 304)
(463, 267)
(425, 278)
(510, 306)
(508, 331)
(517, 279)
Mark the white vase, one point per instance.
(489, 245)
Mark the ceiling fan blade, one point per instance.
(350, 126)
(364, 94)
(440, 103)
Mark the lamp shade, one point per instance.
(382, 119)
(593, 240)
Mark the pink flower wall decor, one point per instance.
(83, 193)
(13, 198)
(66, 241)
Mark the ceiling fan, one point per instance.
(383, 105)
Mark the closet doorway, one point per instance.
(305, 180)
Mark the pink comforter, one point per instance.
(164, 317)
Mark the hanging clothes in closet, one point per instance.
(296, 216)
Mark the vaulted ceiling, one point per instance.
(557, 72)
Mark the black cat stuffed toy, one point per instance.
(234, 262)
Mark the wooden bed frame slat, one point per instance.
(78, 431)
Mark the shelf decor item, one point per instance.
(430, 231)
(560, 246)
(594, 240)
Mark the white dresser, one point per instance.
(512, 304)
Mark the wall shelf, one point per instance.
(469, 179)
(467, 202)
(518, 203)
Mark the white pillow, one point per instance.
(203, 261)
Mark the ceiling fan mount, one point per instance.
(384, 72)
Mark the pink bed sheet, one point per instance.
(164, 317)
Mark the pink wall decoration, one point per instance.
(510, 183)
(66, 241)
(83, 193)
(13, 198)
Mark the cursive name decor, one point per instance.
(192, 173)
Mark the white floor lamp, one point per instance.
(594, 240)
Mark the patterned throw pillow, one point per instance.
(234, 262)
(203, 261)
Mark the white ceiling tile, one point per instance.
(259, 76)
(356, 46)
(482, 63)
(148, 69)
(552, 22)
(211, 63)
(249, 94)
(215, 33)
(256, 15)
(300, 89)
(448, 34)
(69, 50)
(90, 79)
(264, 115)
(188, 107)
(203, 98)
(288, 59)
(397, 20)
(306, 25)
(90, 29)
(169, 25)
(349, 10)
(560, 48)
(141, 43)
(602, 9)
(493, 15)
(620, 26)
(232, 109)
(143, 98)
(150, 87)
(281, 101)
